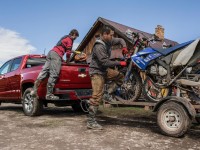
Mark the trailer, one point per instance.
(174, 114)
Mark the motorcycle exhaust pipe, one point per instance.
(188, 82)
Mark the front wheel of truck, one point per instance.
(31, 106)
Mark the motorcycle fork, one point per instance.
(128, 72)
(143, 75)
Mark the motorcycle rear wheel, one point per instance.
(152, 93)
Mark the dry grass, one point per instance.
(126, 112)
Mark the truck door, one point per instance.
(13, 79)
(3, 80)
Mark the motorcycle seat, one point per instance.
(167, 51)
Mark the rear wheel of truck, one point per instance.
(80, 106)
(31, 106)
(173, 119)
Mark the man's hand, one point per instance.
(123, 63)
(124, 50)
(80, 57)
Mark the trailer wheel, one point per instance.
(31, 106)
(173, 120)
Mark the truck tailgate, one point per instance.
(74, 76)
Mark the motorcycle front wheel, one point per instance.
(131, 90)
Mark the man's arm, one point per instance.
(102, 56)
(67, 43)
(116, 41)
(122, 42)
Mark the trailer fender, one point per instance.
(183, 101)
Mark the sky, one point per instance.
(35, 26)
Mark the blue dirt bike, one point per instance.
(171, 68)
(131, 88)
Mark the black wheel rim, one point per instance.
(127, 90)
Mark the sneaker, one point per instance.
(109, 98)
(94, 126)
(33, 93)
(52, 97)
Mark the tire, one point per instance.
(77, 107)
(31, 106)
(132, 90)
(153, 94)
(180, 121)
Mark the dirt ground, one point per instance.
(62, 129)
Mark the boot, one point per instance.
(91, 122)
(49, 95)
(35, 88)
(112, 87)
(109, 94)
(108, 97)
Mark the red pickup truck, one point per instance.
(17, 78)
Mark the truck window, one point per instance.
(31, 62)
(5, 68)
(16, 63)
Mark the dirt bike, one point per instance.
(139, 44)
(131, 88)
(168, 68)
(152, 92)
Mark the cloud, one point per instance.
(12, 45)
